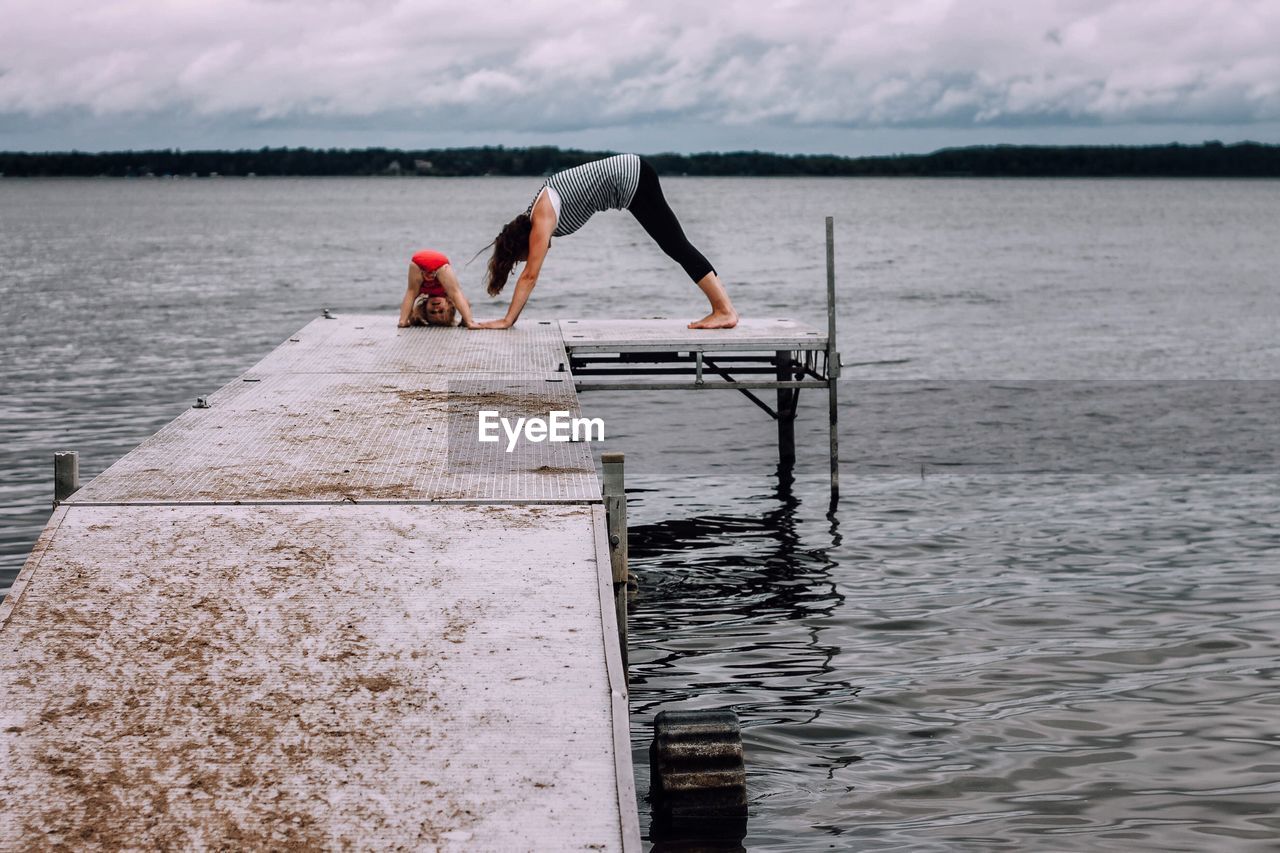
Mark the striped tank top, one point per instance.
(608, 184)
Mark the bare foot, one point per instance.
(717, 320)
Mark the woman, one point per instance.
(433, 294)
(563, 205)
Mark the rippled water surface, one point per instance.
(1044, 616)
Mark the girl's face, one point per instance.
(439, 311)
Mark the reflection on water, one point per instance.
(933, 671)
(1009, 653)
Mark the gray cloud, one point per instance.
(561, 66)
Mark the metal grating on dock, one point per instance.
(373, 344)
(317, 613)
(301, 438)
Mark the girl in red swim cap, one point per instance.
(433, 294)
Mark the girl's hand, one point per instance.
(504, 323)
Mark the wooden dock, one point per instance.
(315, 612)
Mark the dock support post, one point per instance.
(833, 363)
(615, 509)
(66, 475)
(786, 410)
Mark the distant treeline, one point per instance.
(1210, 160)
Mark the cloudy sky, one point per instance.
(843, 76)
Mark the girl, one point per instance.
(433, 294)
(563, 205)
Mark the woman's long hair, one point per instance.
(511, 245)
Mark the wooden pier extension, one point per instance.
(313, 613)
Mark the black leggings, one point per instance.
(651, 210)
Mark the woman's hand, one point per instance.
(504, 323)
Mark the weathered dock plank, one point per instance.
(327, 676)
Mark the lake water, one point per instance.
(1045, 614)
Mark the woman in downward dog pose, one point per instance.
(563, 205)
